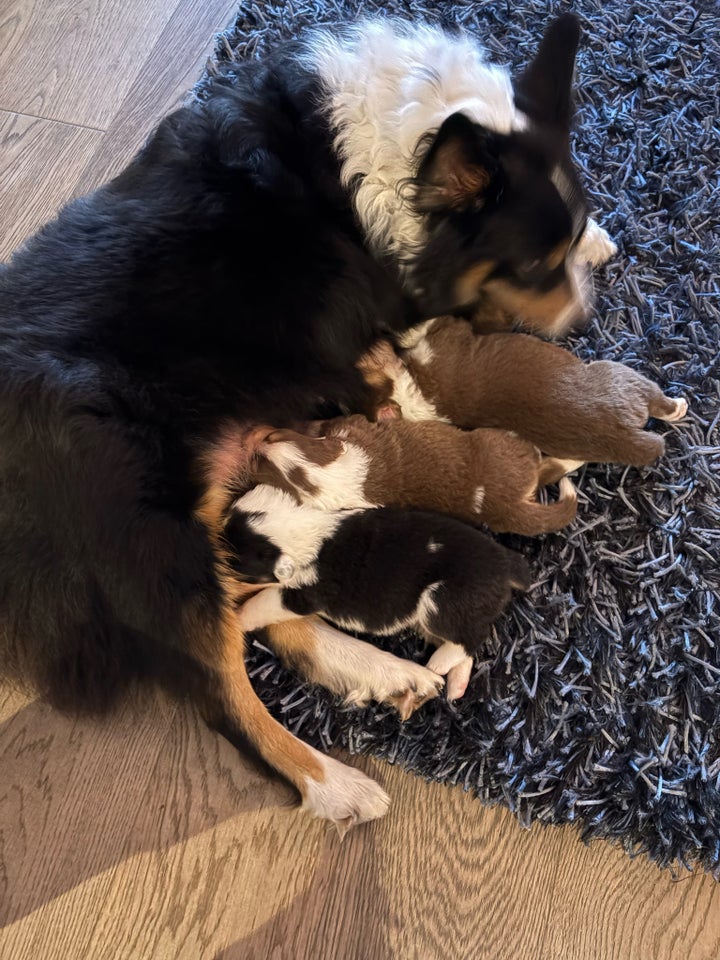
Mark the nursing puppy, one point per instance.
(377, 571)
(481, 476)
(569, 409)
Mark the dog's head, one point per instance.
(250, 554)
(506, 210)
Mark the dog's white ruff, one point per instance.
(390, 84)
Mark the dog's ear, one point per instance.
(458, 167)
(544, 90)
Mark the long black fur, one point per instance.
(220, 277)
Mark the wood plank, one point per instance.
(151, 837)
(40, 161)
(74, 62)
(172, 68)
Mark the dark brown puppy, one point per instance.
(569, 409)
(481, 476)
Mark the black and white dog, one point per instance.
(342, 190)
(376, 571)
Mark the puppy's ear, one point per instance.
(544, 90)
(458, 167)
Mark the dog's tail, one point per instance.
(328, 788)
(532, 519)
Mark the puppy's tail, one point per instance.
(532, 519)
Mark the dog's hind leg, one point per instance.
(328, 788)
(351, 668)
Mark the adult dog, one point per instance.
(344, 189)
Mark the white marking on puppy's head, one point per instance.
(297, 530)
(433, 546)
(478, 499)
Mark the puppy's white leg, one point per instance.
(595, 246)
(263, 609)
(361, 673)
(345, 795)
(452, 661)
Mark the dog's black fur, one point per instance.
(220, 278)
(372, 571)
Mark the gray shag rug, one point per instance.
(598, 700)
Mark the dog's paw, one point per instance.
(401, 684)
(452, 662)
(595, 246)
(344, 795)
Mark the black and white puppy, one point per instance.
(376, 571)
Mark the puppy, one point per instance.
(481, 476)
(569, 409)
(376, 571)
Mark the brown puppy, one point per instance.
(569, 409)
(482, 476)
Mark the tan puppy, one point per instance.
(482, 476)
(569, 409)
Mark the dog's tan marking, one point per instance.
(468, 284)
(558, 254)
(536, 308)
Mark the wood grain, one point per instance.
(39, 163)
(150, 837)
(170, 71)
(75, 61)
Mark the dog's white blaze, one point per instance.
(433, 545)
(389, 84)
(344, 795)
(340, 484)
(478, 499)
(361, 672)
(298, 531)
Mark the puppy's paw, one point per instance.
(401, 684)
(595, 246)
(344, 795)
(452, 661)
(681, 408)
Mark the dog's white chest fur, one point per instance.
(389, 84)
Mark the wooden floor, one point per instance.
(149, 837)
